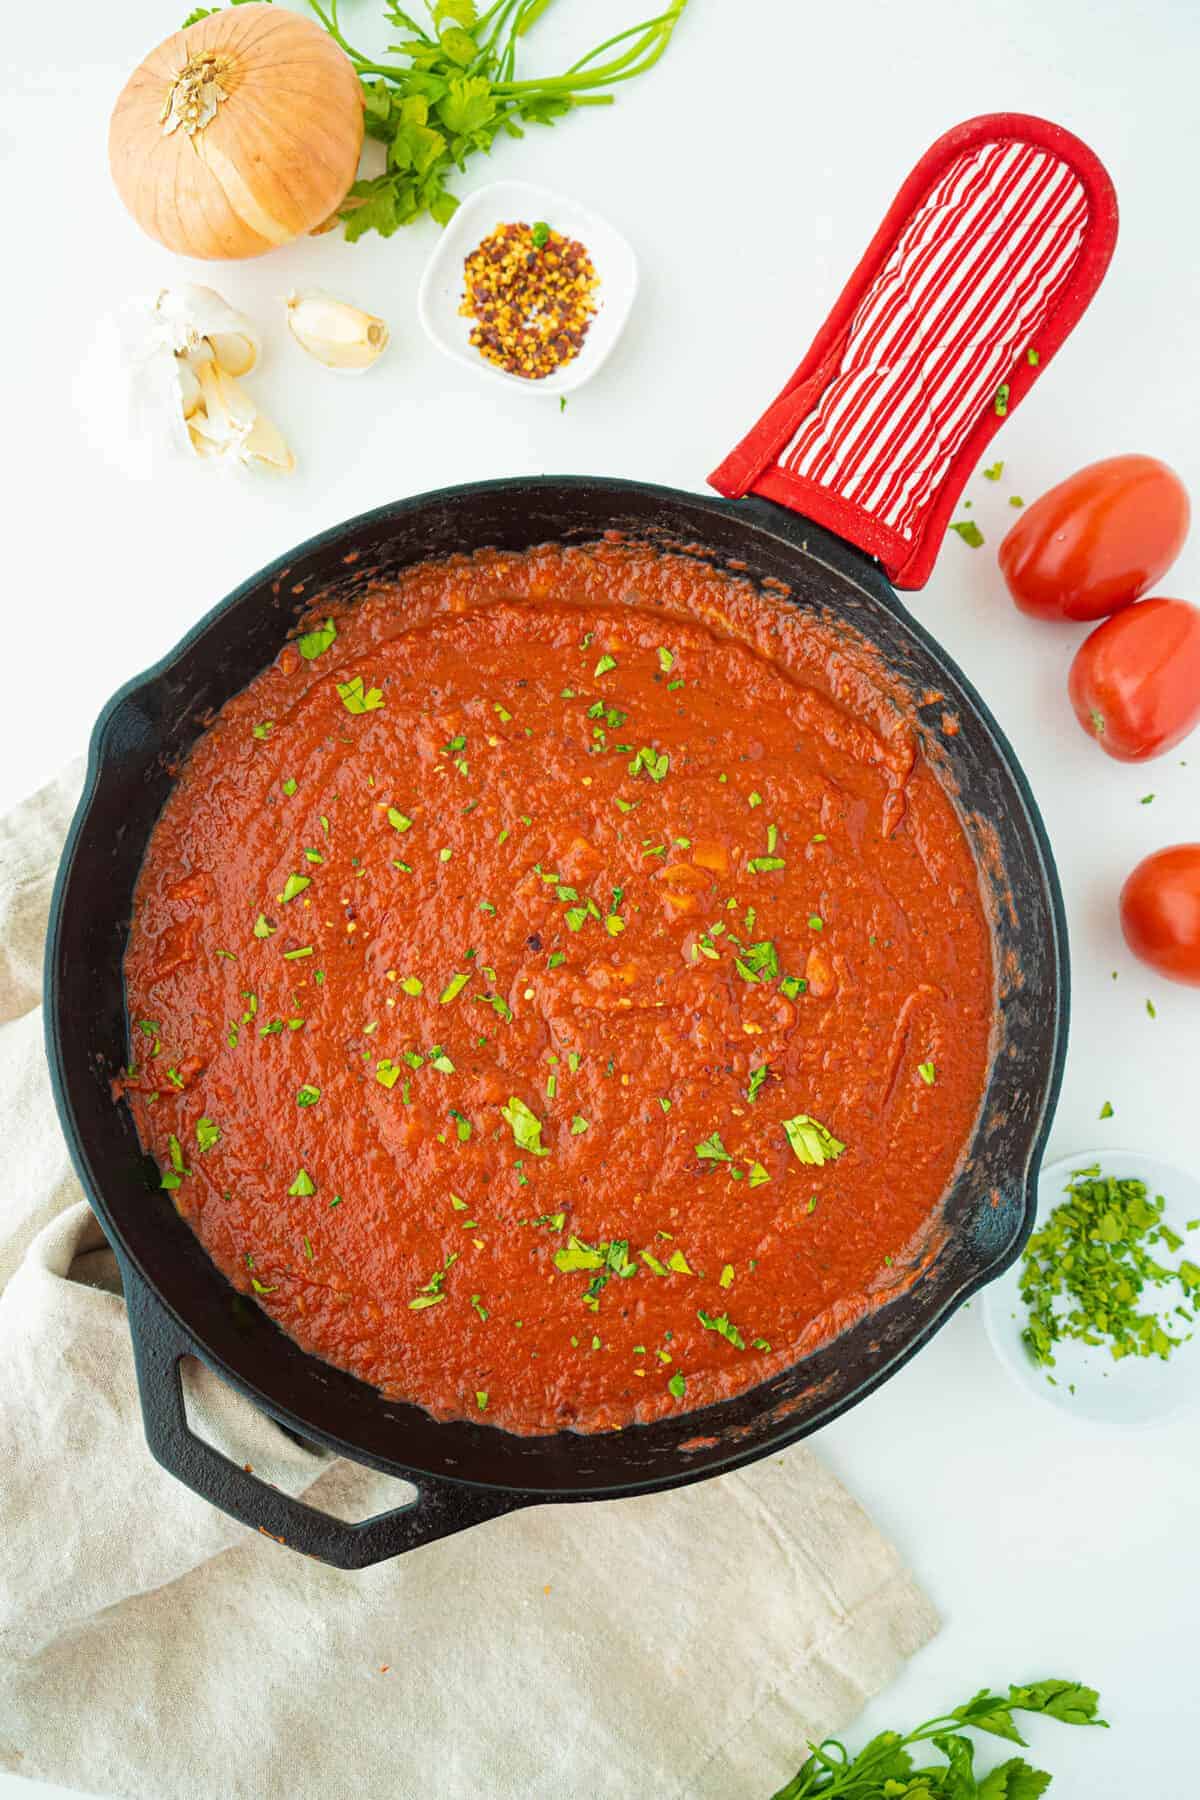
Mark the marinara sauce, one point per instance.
(560, 988)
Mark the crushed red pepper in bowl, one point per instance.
(531, 292)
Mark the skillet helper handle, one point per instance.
(440, 1507)
(988, 256)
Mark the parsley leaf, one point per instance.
(526, 1127)
(446, 95)
(969, 532)
(713, 1150)
(758, 962)
(724, 1327)
(315, 643)
(302, 1185)
(655, 763)
(358, 699)
(207, 1134)
(812, 1142)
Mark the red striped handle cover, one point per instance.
(988, 256)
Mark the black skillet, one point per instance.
(178, 1303)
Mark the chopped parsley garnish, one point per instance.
(387, 1073)
(481, 1399)
(264, 730)
(498, 1003)
(289, 786)
(677, 1385)
(1106, 1111)
(412, 984)
(968, 531)
(261, 928)
(577, 1255)
(296, 955)
(462, 1125)
(928, 1073)
(294, 885)
(759, 865)
(431, 1294)
(605, 663)
(399, 820)
(812, 1142)
(1000, 403)
(302, 1185)
(756, 1174)
(666, 660)
(1086, 1268)
(994, 473)
(207, 1134)
(315, 643)
(815, 922)
(713, 1150)
(526, 1127)
(578, 1125)
(359, 699)
(724, 1327)
(758, 962)
(307, 1095)
(654, 762)
(791, 985)
(454, 987)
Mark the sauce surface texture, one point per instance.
(560, 991)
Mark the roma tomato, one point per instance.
(1135, 682)
(1098, 540)
(1160, 912)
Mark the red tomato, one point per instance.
(1135, 682)
(1160, 912)
(1096, 541)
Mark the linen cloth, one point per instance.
(672, 1647)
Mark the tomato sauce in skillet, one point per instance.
(560, 988)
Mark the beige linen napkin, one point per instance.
(675, 1647)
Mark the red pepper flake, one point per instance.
(530, 292)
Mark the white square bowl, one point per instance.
(512, 202)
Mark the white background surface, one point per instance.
(748, 171)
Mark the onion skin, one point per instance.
(273, 162)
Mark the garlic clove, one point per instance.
(229, 427)
(185, 316)
(264, 444)
(191, 395)
(341, 336)
(236, 353)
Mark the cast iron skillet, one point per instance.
(178, 1303)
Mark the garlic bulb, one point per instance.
(341, 336)
(184, 352)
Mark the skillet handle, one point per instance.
(986, 260)
(440, 1507)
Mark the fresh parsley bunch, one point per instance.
(457, 90)
(886, 1769)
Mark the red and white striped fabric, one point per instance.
(994, 246)
(972, 276)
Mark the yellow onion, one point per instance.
(238, 134)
